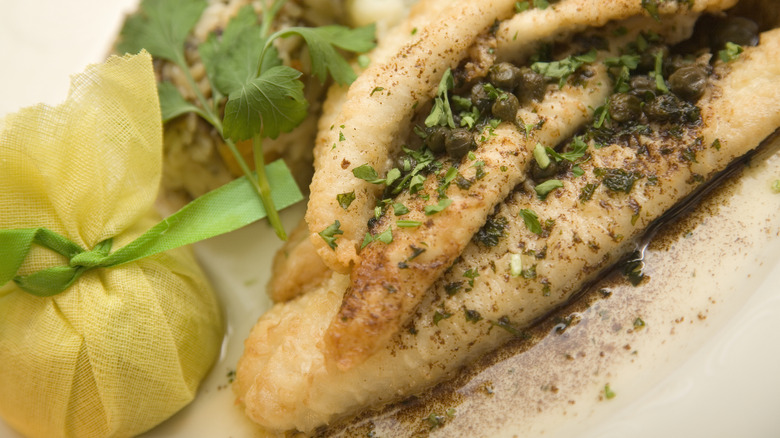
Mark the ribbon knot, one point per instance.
(93, 258)
(225, 209)
(15, 244)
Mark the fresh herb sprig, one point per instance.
(262, 98)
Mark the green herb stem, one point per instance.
(212, 119)
(264, 189)
(260, 183)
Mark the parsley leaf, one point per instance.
(331, 233)
(400, 209)
(276, 96)
(231, 60)
(173, 104)
(433, 209)
(161, 28)
(543, 189)
(441, 113)
(730, 53)
(345, 199)
(531, 220)
(385, 236)
(322, 43)
(563, 68)
(367, 173)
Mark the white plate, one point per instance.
(721, 381)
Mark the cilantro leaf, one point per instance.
(323, 41)
(276, 96)
(161, 27)
(173, 104)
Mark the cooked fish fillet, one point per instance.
(284, 379)
(390, 279)
(380, 104)
(291, 276)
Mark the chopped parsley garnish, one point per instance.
(492, 231)
(433, 209)
(385, 236)
(345, 199)
(544, 189)
(639, 324)
(578, 149)
(471, 274)
(408, 224)
(633, 269)
(331, 233)
(608, 393)
(367, 173)
(730, 52)
(658, 73)
(531, 220)
(541, 157)
(453, 288)
(505, 324)
(441, 113)
(562, 69)
(472, 315)
(400, 209)
(587, 191)
(515, 265)
(716, 144)
(438, 316)
(617, 180)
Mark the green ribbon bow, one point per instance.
(225, 209)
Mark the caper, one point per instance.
(643, 86)
(662, 108)
(530, 85)
(624, 107)
(505, 107)
(458, 142)
(675, 63)
(688, 82)
(480, 97)
(668, 107)
(504, 75)
(405, 163)
(540, 175)
(737, 30)
(435, 139)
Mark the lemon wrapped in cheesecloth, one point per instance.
(101, 333)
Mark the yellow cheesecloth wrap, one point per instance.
(122, 348)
